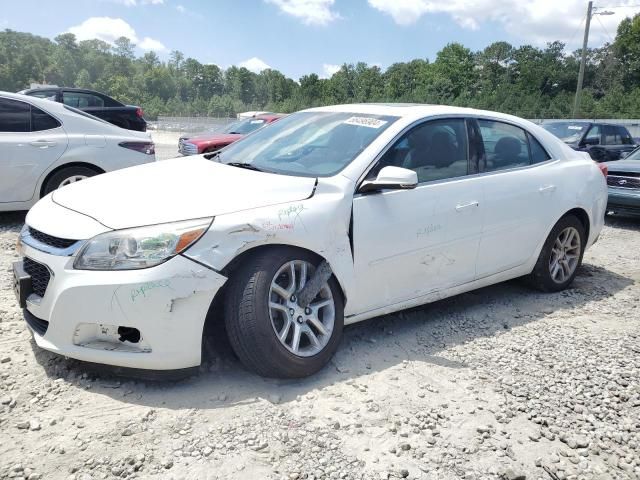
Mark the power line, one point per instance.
(605, 30)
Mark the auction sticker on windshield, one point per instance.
(365, 122)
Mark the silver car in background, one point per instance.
(45, 145)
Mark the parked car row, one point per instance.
(45, 145)
(327, 217)
(215, 140)
(98, 104)
(604, 142)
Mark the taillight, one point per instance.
(604, 169)
(148, 148)
(139, 112)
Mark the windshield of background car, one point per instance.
(568, 132)
(312, 144)
(245, 127)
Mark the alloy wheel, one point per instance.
(302, 331)
(565, 255)
(72, 179)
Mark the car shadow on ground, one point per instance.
(623, 222)
(421, 335)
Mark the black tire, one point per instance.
(248, 321)
(57, 178)
(540, 277)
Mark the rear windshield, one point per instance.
(85, 114)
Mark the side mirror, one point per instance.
(391, 178)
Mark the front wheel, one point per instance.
(271, 334)
(560, 256)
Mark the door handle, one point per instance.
(547, 189)
(462, 206)
(42, 143)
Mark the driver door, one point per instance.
(409, 243)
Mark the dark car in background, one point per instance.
(97, 104)
(623, 182)
(604, 142)
(210, 142)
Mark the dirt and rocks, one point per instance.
(501, 383)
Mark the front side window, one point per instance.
(435, 150)
(505, 146)
(15, 116)
(81, 100)
(593, 136)
(312, 144)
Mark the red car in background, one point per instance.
(213, 141)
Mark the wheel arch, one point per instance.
(48, 176)
(246, 255)
(582, 215)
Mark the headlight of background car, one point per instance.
(141, 247)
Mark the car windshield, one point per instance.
(308, 143)
(245, 127)
(568, 132)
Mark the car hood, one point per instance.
(624, 166)
(216, 138)
(178, 189)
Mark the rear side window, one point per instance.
(41, 120)
(505, 146)
(14, 116)
(625, 136)
(81, 100)
(538, 153)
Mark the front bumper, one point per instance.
(624, 201)
(85, 310)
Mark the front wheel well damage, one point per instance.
(214, 319)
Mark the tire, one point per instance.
(66, 175)
(545, 275)
(253, 324)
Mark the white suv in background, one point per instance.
(45, 145)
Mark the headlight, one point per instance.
(141, 247)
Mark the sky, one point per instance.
(299, 37)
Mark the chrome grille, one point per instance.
(40, 276)
(187, 148)
(621, 181)
(55, 242)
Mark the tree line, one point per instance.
(527, 81)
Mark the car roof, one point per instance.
(43, 103)
(270, 117)
(410, 110)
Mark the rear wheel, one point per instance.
(560, 256)
(67, 176)
(271, 334)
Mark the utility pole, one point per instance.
(583, 61)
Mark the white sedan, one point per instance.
(330, 216)
(45, 145)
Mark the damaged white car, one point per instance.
(330, 216)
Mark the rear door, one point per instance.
(409, 243)
(519, 187)
(30, 141)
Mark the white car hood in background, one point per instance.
(179, 189)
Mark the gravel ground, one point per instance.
(502, 383)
